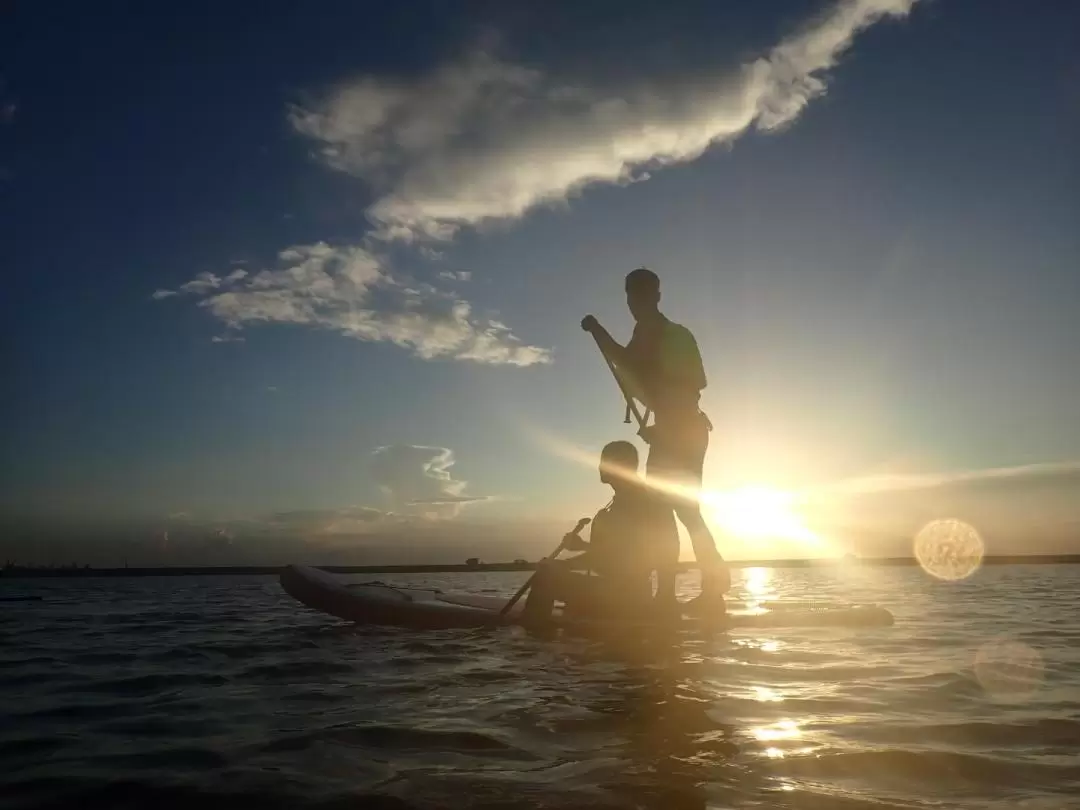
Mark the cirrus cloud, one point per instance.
(348, 289)
(483, 139)
(417, 480)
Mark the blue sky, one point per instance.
(247, 249)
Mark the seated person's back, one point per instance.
(631, 536)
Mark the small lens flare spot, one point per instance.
(949, 549)
(1008, 669)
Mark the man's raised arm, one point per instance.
(620, 356)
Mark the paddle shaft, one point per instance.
(581, 524)
(631, 405)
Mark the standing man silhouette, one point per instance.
(661, 366)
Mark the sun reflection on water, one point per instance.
(781, 730)
(785, 738)
(758, 584)
(767, 695)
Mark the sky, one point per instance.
(305, 282)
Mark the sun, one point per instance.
(757, 513)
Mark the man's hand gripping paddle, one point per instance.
(589, 324)
(581, 524)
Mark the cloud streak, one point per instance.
(348, 289)
(1029, 473)
(482, 139)
(348, 520)
(417, 480)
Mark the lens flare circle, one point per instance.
(1009, 669)
(949, 549)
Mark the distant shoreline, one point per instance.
(268, 570)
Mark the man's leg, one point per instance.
(665, 560)
(715, 577)
(678, 457)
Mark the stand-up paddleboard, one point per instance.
(426, 609)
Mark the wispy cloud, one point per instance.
(1016, 509)
(417, 480)
(227, 338)
(317, 522)
(891, 483)
(456, 275)
(348, 289)
(202, 283)
(484, 139)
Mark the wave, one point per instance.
(936, 767)
(65, 793)
(401, 739)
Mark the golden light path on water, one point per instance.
(756, 582)
(767, 521)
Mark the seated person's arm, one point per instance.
(583, 561)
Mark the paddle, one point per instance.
(581, 524)
(631, 405)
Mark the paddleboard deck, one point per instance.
(430, 609)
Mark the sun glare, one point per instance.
(753, 513)
(757, 513)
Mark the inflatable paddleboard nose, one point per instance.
(429, 609)
(370, 603)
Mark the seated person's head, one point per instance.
(618, 463)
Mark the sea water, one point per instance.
(222, 691)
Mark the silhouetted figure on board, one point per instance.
(661, 367)
(633, 535)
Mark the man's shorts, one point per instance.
(677, 456)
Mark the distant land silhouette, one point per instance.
(15, 571)
(178, 544)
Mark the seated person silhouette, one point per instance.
(634, 534)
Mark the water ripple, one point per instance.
(222, 691)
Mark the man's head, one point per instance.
(618, 462)
(642, 293)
